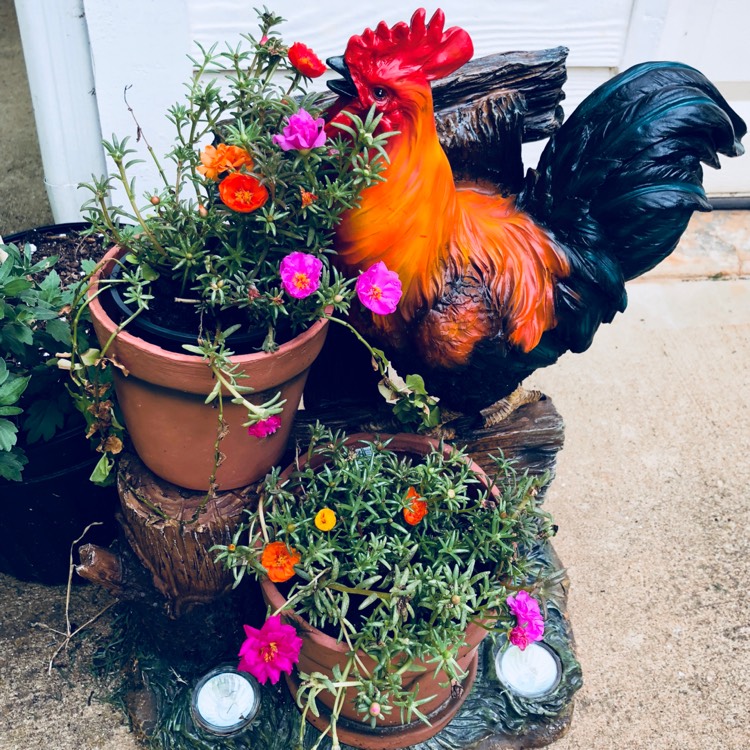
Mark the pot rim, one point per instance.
(126, 338)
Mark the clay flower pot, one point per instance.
(321, 652)
(162, 401)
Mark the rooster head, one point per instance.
(387, 67)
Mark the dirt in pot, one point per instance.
(67, 243)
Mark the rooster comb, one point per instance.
(417, 46)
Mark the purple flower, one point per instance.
(300, 274)
(268, 652)
(379, 289)
(265, 427)
(302, 133)
(530, 621)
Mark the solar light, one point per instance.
(225, 701)
(531, 673)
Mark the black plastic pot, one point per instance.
(172, 338)
(44, 514)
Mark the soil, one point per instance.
(66, 242)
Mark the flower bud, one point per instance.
(455, 600)
(155, 200)
(202, 211)
(374, 709)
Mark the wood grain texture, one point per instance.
(171, 530)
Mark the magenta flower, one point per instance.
(379, 289)
(523, 606)
(300, 274)
(268, 652)
(520, 637)
(265, 427)
(302, 133)
(530, 621)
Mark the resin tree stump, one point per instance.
(170, 530)
(530, 436)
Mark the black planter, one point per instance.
(42, 515)
(183, 330)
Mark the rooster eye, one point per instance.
(379, 93)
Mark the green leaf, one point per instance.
(59, 330)
(51, 282)
(8, 434)
(15, 286)
(17, 334)
(11, 390)
(88, 266)
(149, 273)
(43, 419)
(10, 411)
(101, 473)
(11, 465)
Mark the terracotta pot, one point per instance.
(321, 652)
(162, 401)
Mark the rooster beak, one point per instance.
(342, 86)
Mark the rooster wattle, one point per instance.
(496, 286)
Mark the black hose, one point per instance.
(730, 203)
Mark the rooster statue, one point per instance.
(496, 286)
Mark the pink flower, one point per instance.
(300, 274)
(523, 606)
(379, 289)
(530, 621)
(265, 427)
(268, 652)
(302, 133)
(519, 637)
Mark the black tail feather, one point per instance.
(618, 182)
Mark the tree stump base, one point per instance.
(171, 530)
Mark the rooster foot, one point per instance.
(503, 408)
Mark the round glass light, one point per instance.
(225, 701)
(530, 673)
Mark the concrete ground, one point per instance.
(23, 199)
(651, 498)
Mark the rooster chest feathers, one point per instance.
(439, 238)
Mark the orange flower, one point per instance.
(308, 198)
(306, 61)
(417, 508)
(279, 560)
(223, 158)
(242, 193)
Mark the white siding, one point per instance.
(144, 44)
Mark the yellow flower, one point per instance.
(325, 519)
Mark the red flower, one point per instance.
(306, 61)
(242, 193)
(417, 508)
(519, 637)
(279, 560)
